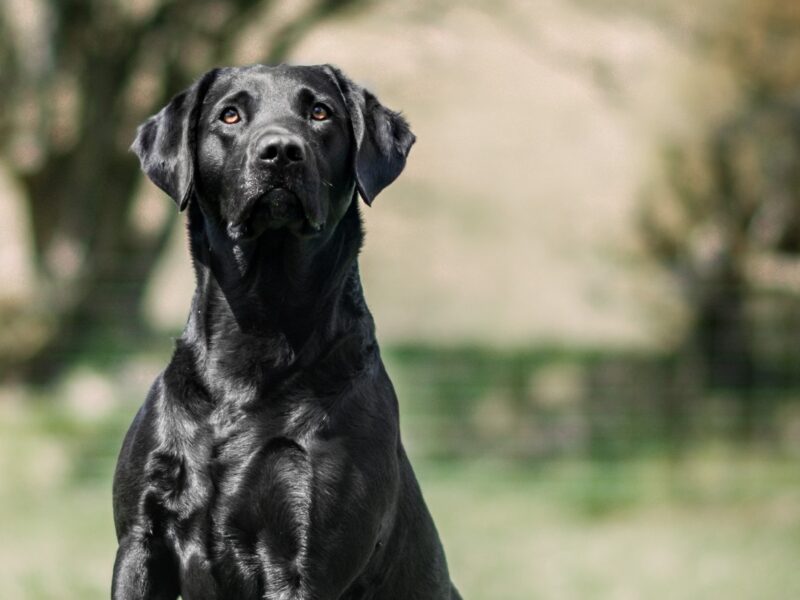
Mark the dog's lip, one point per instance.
(281, 204)
(278, 192)
(263, 194)
(283, 194)
(275, 207)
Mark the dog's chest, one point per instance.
(254, 514)
(250, 452)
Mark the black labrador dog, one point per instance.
(266, 461)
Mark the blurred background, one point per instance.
(586, 283)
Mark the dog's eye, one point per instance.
(320, 112)
(229, 115)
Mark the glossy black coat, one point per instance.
(266, 461)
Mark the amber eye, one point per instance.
(230, 116)
(319, 112)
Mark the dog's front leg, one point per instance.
(143, 571)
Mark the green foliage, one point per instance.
(554, 402)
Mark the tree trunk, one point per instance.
(102, 300)
(724, 342)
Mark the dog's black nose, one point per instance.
(280, 149)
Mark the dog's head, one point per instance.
(273, 147)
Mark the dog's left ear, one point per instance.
(165, 143)
(383, 137)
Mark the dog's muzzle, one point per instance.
(284, 183)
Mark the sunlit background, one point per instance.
(586, 283)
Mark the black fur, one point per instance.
(266, 461)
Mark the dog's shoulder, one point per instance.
(137, 445)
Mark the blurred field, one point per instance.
(712, 522)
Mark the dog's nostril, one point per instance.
(281, 150)
(270, 152)
(294, 153)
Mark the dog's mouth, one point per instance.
(277, 208)
(280, 206)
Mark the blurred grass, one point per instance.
(715, 523)
(709, 528)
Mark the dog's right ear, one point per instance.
(165, 143)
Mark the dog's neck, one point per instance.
(281, 298)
